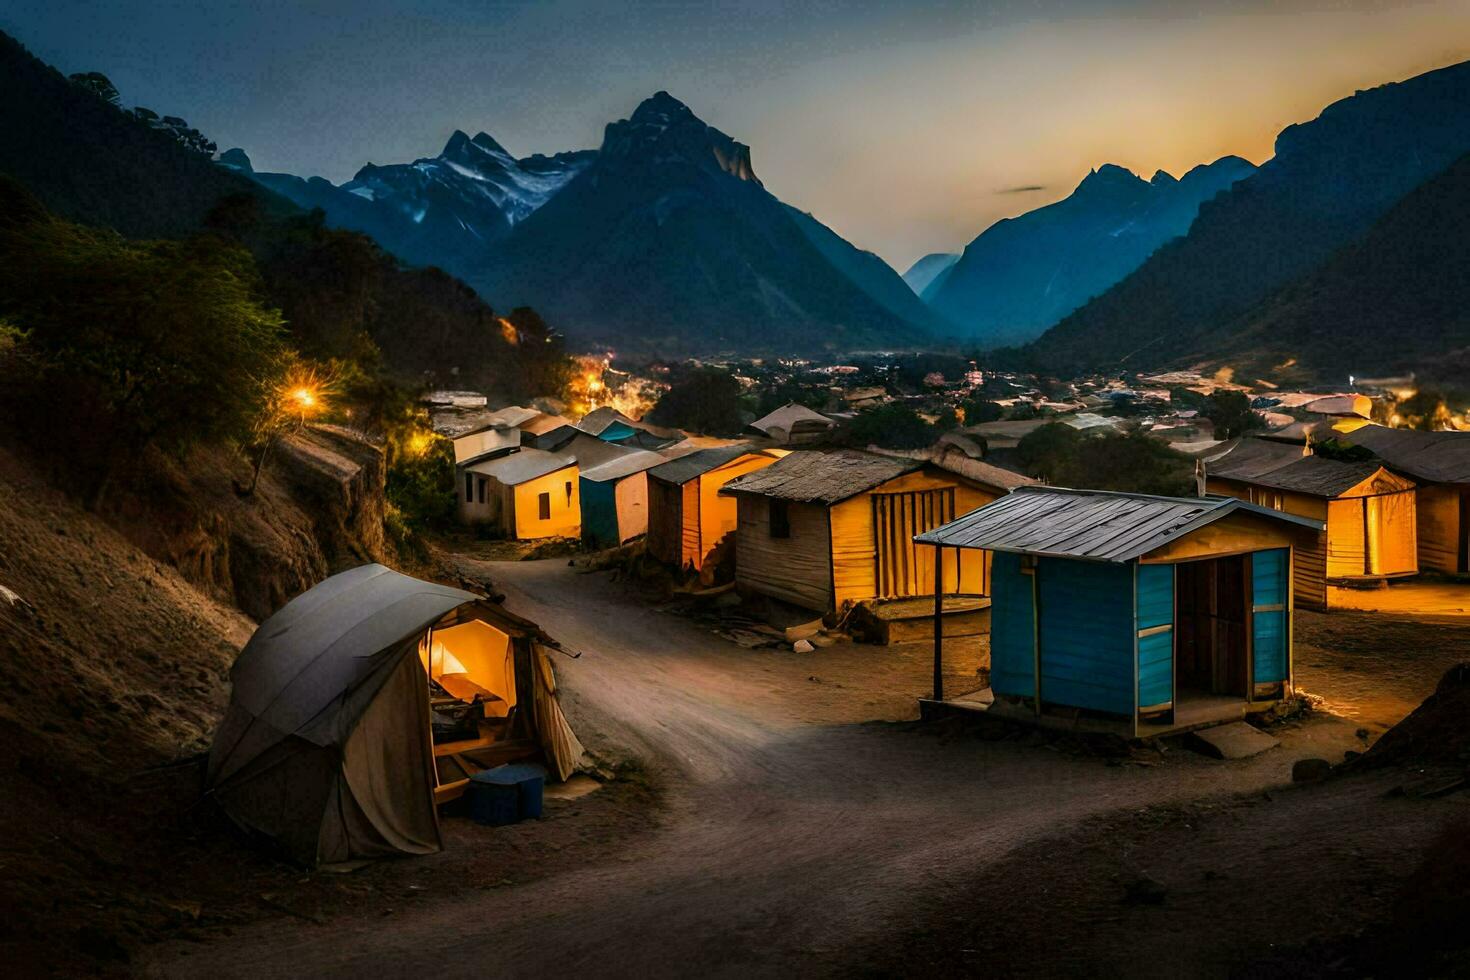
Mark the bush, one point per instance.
(1133, 463)
(706, 400)
(1231, 414)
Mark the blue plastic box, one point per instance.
(506, 794)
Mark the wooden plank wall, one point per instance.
(665, 521)
(794, 569)
(1439, 528)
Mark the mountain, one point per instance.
(1398, 299)
(1023, 274)
(341, 295)
(668, 241)
(1329, 181)
(443, 210)
(871, 274)
(928, 269)
(86, 160)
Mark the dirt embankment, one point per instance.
(317, 510)
(117, 632)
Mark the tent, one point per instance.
(1370, 513)
(822, 529)
(1157, 613)
(326, 746)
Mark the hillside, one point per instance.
(1396, 300)
(928, 269)
(88, 161)
(342, 296)
(1329, 181)
(1023, 274)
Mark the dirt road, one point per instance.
(799, 825)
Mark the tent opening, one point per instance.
(472, 696)
(1212, 629)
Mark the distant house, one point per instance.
(687, 517)
(1369, 513)
(1149, 613)
(615, 499)
(865, 397)
(611, 425)
(822, 529)
(484, 443)
(794, 425)
(527, 494)
(1439, 462)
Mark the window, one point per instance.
(780, 519)
(481, 488)
(469, 488)
(569, 493)
(543, 505)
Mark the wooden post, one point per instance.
(939, 622)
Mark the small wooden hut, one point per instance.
(528, 494)
(615, 499)
(822, 529)
(1153, 613)
(1439, 462)
(1370, 513)
(687, 517)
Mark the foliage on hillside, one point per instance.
(1131, 462)
(892, 425)
(705, 400)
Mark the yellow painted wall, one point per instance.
(854, 545)
(1438, 511)
(566, 507)
(715, 516)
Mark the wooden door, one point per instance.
(902, 568)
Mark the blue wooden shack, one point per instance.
(1157, 612)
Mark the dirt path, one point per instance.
(798, 825)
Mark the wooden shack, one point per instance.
(687, 517)
(528, 494)
(823, 529)
(1369, 513)
(1439, 463)
(1150, 614)
(615, 499)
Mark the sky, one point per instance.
(908, 127)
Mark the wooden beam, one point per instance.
(939, 622)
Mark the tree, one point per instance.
(1424, 410)
(1132, 462)
(1231, 414)
(978, 410)
(135, 344)
(98, 84)
(892, 425)
(706, 400)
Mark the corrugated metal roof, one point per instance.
(527, 464)
(1280, 466)
(701, 461)
(818, 477)
(1097, 525)
(615, 469)
(1431, 457)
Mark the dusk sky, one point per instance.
(907, 127)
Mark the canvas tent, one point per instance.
(1369, 513)
(687, 519)
(822, 529)
(1160, 613)
(326, 746)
